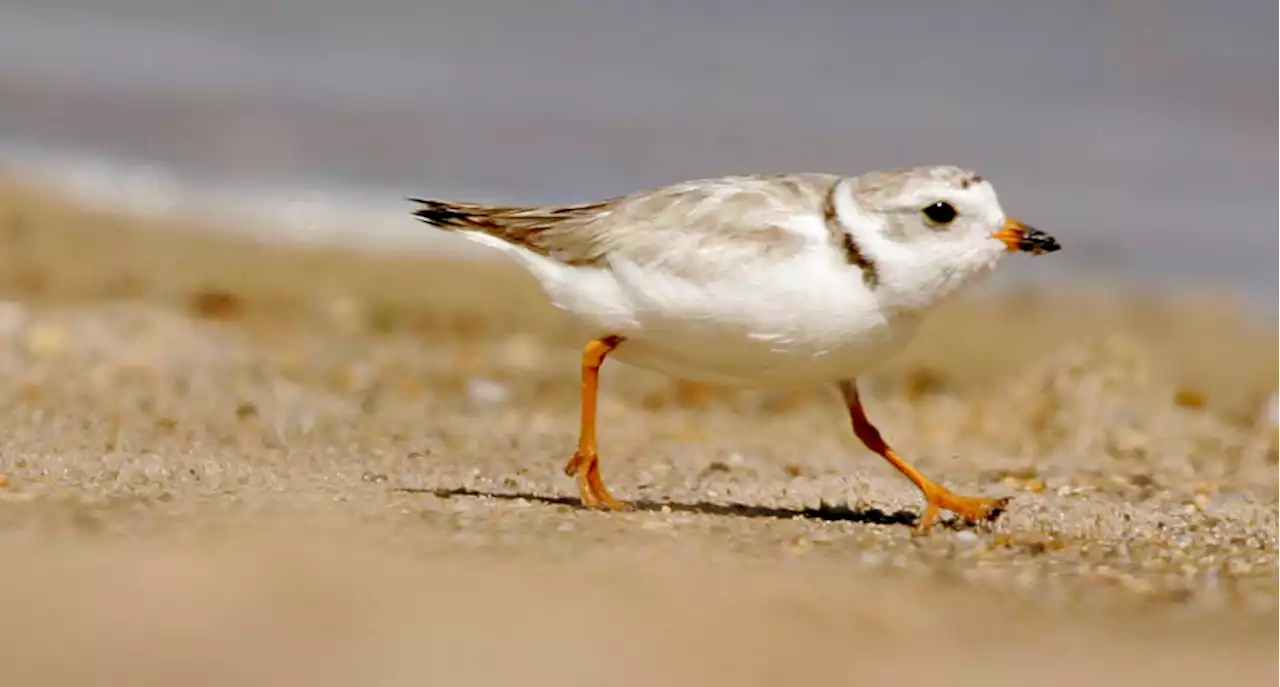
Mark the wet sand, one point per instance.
(227, 463)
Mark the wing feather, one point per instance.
(684, 229)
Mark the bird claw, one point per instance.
(971, 509)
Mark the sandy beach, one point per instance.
(233, 463)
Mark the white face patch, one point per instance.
(987, 208)
(920, 258)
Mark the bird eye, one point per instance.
(940, 213)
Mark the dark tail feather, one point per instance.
(445, 215)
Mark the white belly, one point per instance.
(793, 325)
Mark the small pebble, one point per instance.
(45, 341)
(487, 391)
(12, 316)
(1271, 415)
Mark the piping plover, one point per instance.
(758, 281)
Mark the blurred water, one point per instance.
(1141, 132)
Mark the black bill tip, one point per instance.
(1037, 242)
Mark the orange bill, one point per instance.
(1017, 236)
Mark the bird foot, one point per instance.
(586, 468)
(971, 509)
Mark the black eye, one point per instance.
(940, 213)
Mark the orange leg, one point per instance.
(585, 464)
(936, 496)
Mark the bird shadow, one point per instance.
(868, 515)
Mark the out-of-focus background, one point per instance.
(331, 454)
(1141, 131)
